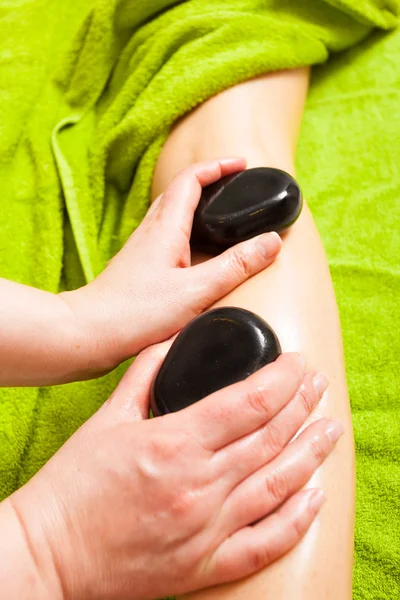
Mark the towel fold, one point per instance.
(88, 94)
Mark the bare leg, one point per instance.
(260, 120)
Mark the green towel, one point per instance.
(88, 93)
(349, 167)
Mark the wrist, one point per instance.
(26, 567)
(103, 336)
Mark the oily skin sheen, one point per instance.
(135, 508)
(260, 119)
(138, 508)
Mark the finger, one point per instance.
(218, 276)
(180, 199)
(237, 461)
(253, 548)
(272, 485)
(241, 408)
(131, 396)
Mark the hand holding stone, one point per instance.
(218, 348)
(243, 205)
(163, 506)
(150, 289)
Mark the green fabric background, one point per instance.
(349, 167)
(82, 119)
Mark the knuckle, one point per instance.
(257, 398)
(259, 558)
(182, 504)
(240, 264)
(305, 399)
(272, 438)
(317, 448)
(155, 447)
(277, 486)
(166, 448)
(297, 528)
(178, 446)
(191, 174)
(184, 174)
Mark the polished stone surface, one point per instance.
(216, 349)
(243, 205)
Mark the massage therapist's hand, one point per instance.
(146, 294)
(149, 291)
(132, 508)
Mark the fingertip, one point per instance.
(275, 236)
(141, 372)
(269, 244)
(301, 360)
(302, 508)
(210, 171)
(334, 429)
(295, 357)
(237, 161)
(155, 352)
(316, 500)
(320, 383)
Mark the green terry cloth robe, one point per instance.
(88, 93)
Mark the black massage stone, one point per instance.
(243, 205)
(216, 349)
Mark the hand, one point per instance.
(149, 290)
(146, 294)
(136, 509)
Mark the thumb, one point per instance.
(131, 398)
(222, 274)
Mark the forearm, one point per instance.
(43, 341)
(21, 569)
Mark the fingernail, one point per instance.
(302, 361)
(320, 383)
(268, 244)
(228, 160)
(317, 499)
(334, 430)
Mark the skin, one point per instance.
(147, 293)
(94, 531)
(260, 119)
(135, 508)
(126, 491)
